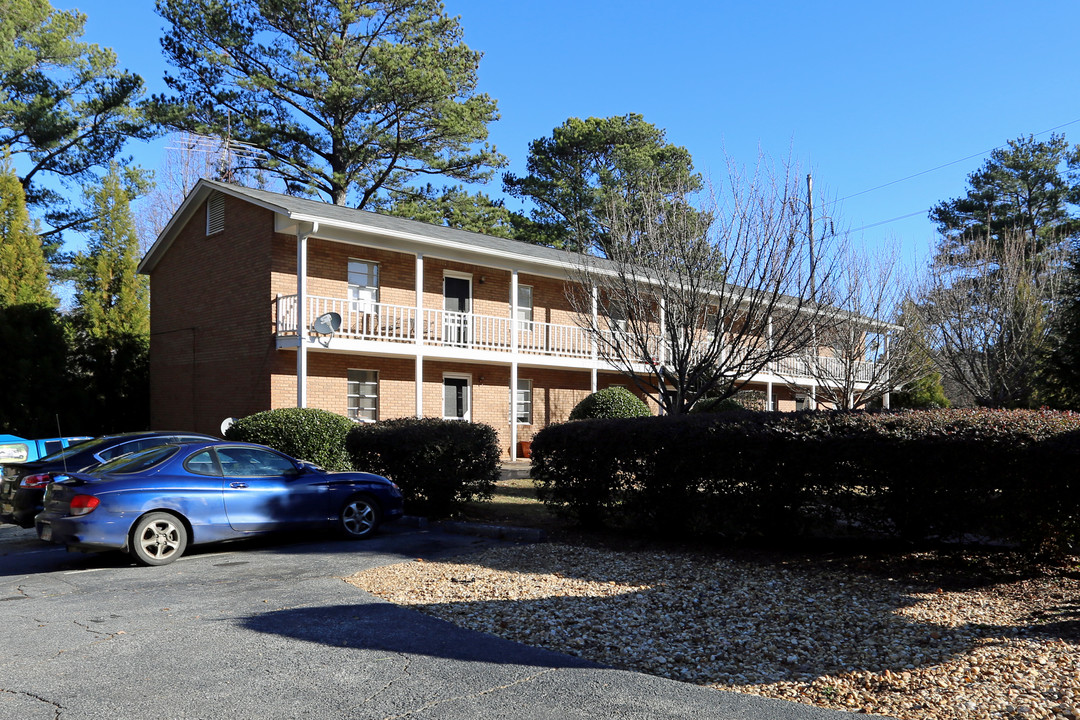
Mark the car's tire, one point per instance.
(359, 518)
(158, 539)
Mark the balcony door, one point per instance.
(363, 295)
(457, 309)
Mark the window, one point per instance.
(525, 303)
(363, 394)
(202, 463)
(456, 398)
(138, 461)
(363, 283)
(523, 402)
(215, 214)
(253, 462)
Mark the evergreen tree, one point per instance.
(1061, 373)
(33, 362)
(455, 207)
(1020, 190)
(352, 99)
(65, 107)
(112, 315)
(24, 276)
(587, 168)
(112, 299)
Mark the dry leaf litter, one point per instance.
(828, 637)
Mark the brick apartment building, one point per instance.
(434, 322)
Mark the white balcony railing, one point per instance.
(363, 320)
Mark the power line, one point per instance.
(924, 172)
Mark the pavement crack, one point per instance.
(487, 691)
(57, 707)
(389, 683)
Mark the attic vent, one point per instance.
(215, 214)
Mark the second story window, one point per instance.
(525, 303)
(363, 284)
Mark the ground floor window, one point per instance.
(456, 397)
(363, 393)
(523, 402)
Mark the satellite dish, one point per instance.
(327, 323)
(226, 424)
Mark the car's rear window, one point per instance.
(80, 447)
(136, 461)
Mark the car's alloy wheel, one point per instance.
(360, 517)
(158, 539)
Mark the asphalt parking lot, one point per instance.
(268, 629)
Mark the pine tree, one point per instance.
(112, 315)
(112, 298)
(24, 278)
(34, 381)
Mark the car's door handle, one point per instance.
(238, 485)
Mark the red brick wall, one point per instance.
(211, 341)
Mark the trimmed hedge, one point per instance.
(309, 434)
(742, 400)
(612, 402)
(922, 475)
(438, 464)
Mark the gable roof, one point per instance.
(346, 218)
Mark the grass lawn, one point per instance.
(515, 504)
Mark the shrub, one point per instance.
(612, 402)
(922, 475)
(316, 436)
(742, 400)
(438, 464)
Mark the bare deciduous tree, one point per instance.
(857, 358)
(695, 301)
(987, 318)
(188, 158)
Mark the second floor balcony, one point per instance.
(404, 325)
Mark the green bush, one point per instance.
(438, 464)
(612, 402)
(926, 476)
(742, 400)
(316, 436)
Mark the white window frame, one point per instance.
(523, 405)
(467, 417)
(525, 312)
(349, 394)
(363, 296)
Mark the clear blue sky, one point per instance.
(862, 93)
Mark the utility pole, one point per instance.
(810, 211)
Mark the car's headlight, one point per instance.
(14, 453)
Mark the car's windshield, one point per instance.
(136, 461)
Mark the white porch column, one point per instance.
(418, 336)
(513, 363)
(888, 376)
(305, 230)
(663, 332)
(768, 395)
(592, 339)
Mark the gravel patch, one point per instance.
(831, 637)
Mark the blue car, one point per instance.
(155, 503)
